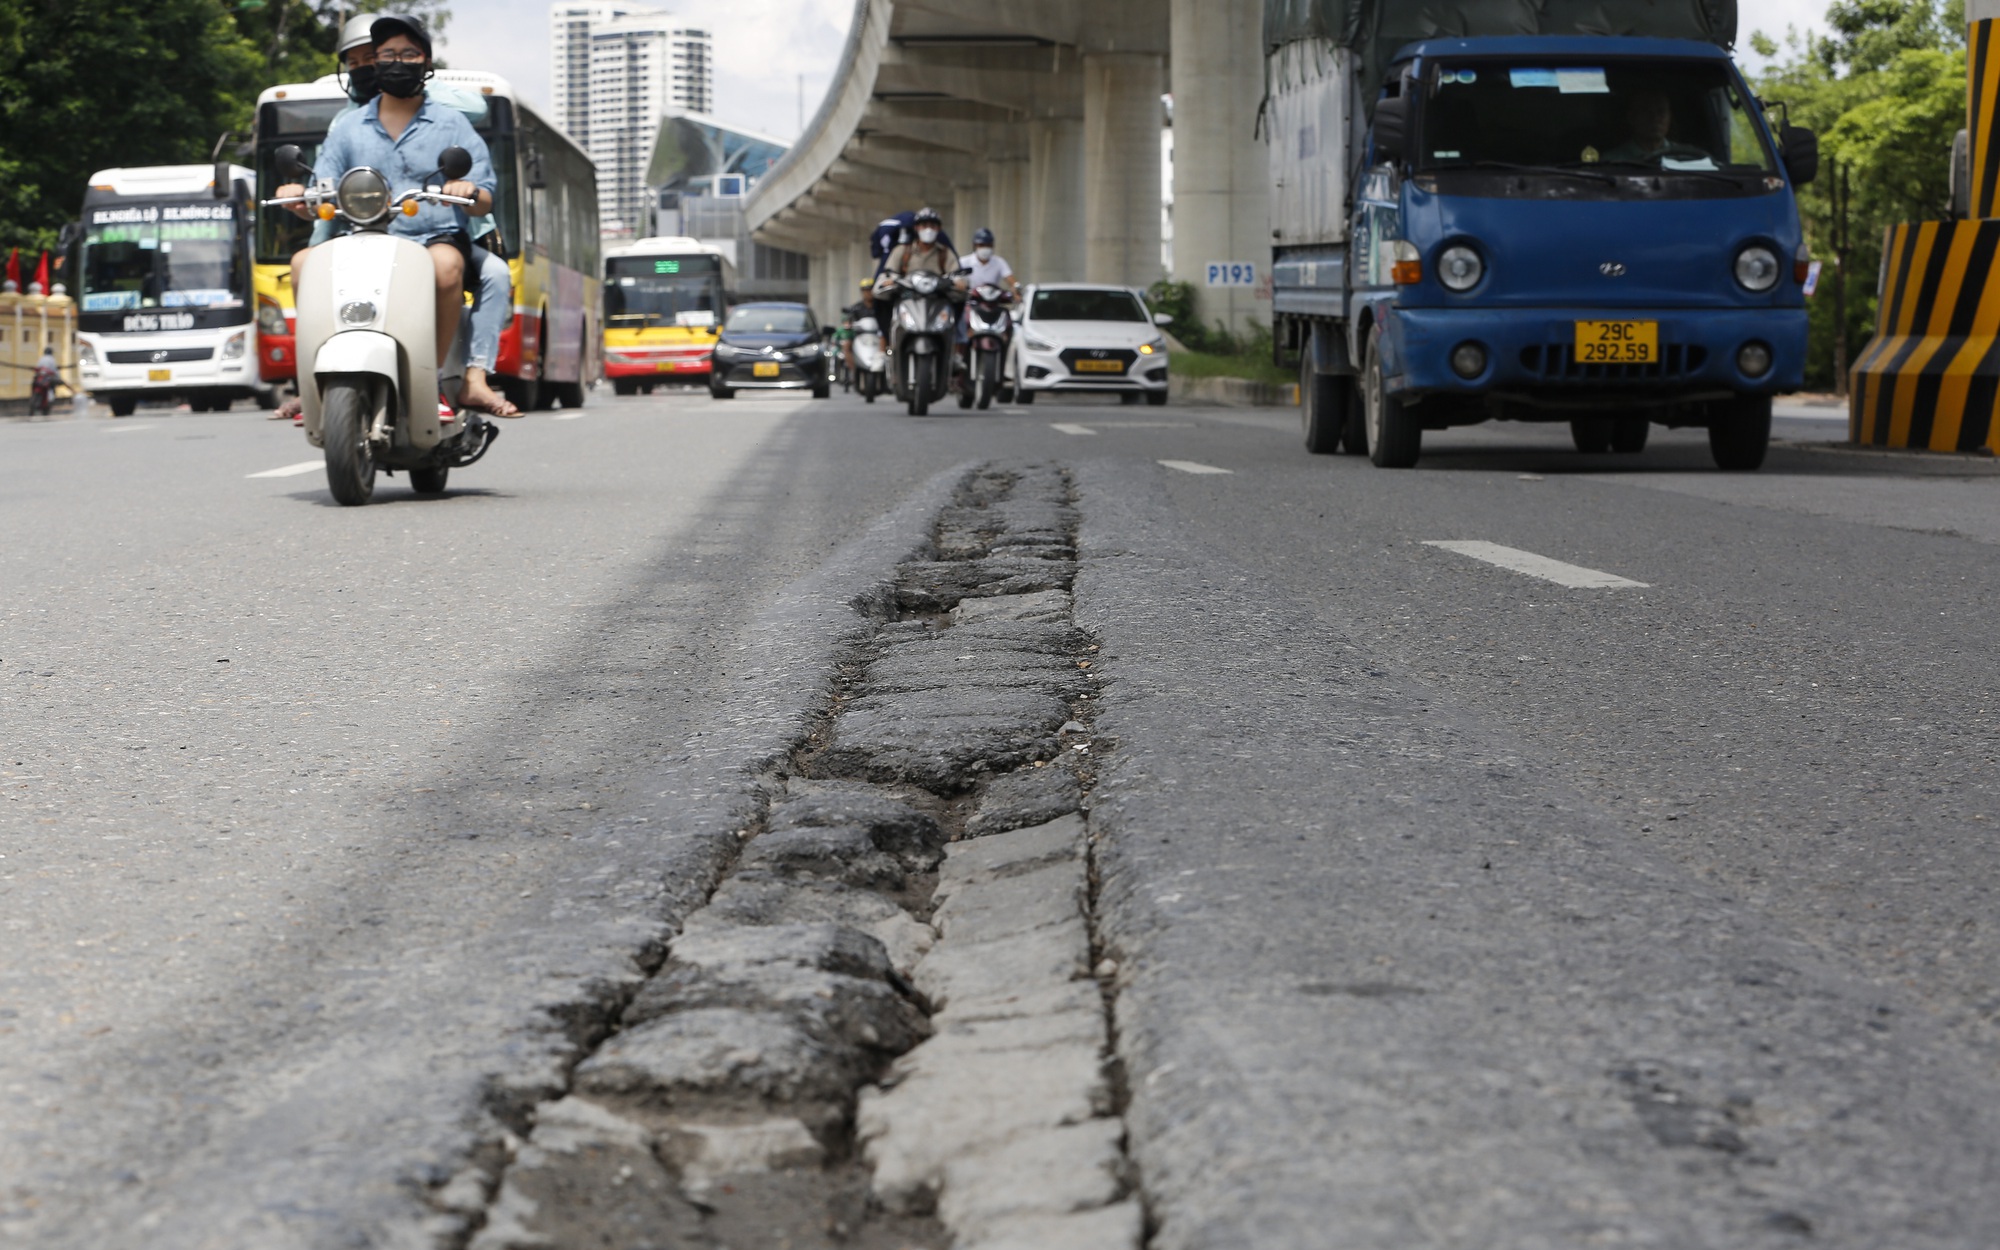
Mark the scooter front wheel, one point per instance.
(922, 369)
(350, 463)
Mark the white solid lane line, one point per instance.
(127, 429)
(1194, 466)
(1066, 428)
(291, 470)
(569, 416)
(1574, 576)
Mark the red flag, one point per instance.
(42, 273)
(14, 268)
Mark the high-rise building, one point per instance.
(618, 71)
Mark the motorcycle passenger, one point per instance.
(492, 308)
(403, 134)
(927, 252)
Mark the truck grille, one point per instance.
(1557, 363)
(171, 355)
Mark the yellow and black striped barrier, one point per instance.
(1982, 108)
(1930, 378)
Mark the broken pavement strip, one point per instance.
(883, 1029)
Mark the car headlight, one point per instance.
(1034, 344)
(724, 350)
(1157, 347)
(1757, 268)
(1460, 268)
(363, 195)
(270, 317)
(238, 343)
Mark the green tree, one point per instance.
(1886, 92)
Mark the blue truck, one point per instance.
(1530, 210)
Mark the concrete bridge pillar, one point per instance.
(1121, 201)
(1006, 204)
(1056, 210)
(1222, 209)
(968, 213)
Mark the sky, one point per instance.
(763, 46)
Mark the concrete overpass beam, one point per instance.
(1121, 122)
(1222, 207)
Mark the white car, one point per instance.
(1085, 336)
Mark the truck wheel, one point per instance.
(343, 423)
(1628, 434)
(1323, 405)
(1591, 435)
(1739, 432)
(1395, 440)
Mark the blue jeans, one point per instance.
(492, 308)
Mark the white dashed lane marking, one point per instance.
(1193, 466)
(1574, 576)
(291, 470)
(1067, 428)
(127, 429)
(568, 416)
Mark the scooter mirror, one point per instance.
(288, 163)
(454, 163)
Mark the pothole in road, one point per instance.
(885, 1027)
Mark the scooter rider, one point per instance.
(926, 252)
(403, 134)
(989, 267)
(493, 307)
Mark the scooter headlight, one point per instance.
(909, 316)
(941, 320)
(363, 196)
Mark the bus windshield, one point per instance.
(162, 256)
(1660, 117)
(642, 291)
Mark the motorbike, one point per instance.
(989, 332)
(871, 362)
(367, 339)
(920, 338)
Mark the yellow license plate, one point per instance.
(764, 370)
(159, 375)
(663, 366)
(1100, 366)
(1617, 342)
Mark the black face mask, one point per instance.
(361, 84)
(401, 79)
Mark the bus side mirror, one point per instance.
(1392, 124)
(286, 161)
(454, 163)
(219, 186)
(1801, 151)
(537, 180)
(67, 237)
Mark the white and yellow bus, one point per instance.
(546, 218)
(664, 300)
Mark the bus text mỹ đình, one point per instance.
(545, 219)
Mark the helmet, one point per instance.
(389, 25)
(356, 32)
(868, 284)
(982, 237)
(927, 214)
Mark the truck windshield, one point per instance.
(641, 291)
(1664, 117)
(157, 255)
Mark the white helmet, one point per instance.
(358, 30)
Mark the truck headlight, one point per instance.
(1460, 267)
(1757, 268)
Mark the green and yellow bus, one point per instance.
(545, 213)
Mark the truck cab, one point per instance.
(1600, 230)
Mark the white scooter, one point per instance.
(871, 363)
(367, 339)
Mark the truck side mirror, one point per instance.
(286, 161)
(1392, 124)
(1801, 152)
(454, 163)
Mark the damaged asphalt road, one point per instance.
(772, 825)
